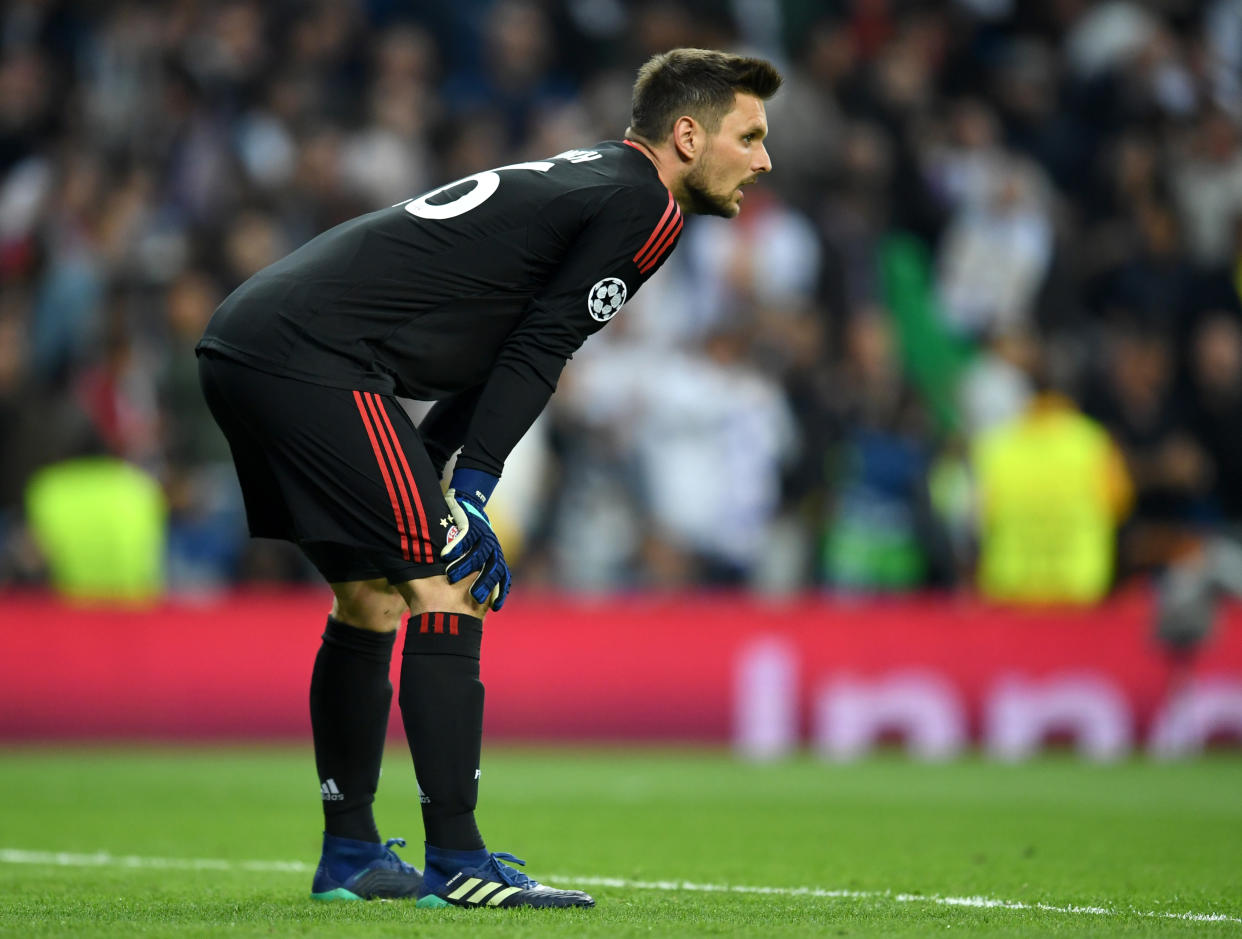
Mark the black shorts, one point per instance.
(344, 474)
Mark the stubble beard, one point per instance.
(700, 200)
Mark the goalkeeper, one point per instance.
(472, 296)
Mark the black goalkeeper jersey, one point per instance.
(474, 295)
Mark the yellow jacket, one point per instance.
(1052, 488)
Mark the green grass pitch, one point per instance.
(208, 842)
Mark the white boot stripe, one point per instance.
(465, 888)
(499, 896)
(478, 895)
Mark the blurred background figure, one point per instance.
(1137, 400)
(100, 524)
(878, 526)
(1052, 491)
(711, 441)
(996, 252)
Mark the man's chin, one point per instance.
(722, 208)
(703, 203)
(731, 205)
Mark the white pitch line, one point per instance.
(986, 902)
(104, 859)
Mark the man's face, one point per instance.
(732, 157)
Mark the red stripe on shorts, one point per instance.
(401, 482)
(424, 528)
(379, 459)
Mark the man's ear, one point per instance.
(687, 137)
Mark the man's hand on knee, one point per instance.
(473, 547)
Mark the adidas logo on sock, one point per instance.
(330, 792)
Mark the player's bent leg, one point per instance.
(350, 698)
(373, 605)
(442, 710)
(442, 706)
(434, 594)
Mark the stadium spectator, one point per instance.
(1216, 411)
(1051, 491)
(1207, 180)
(1137, 401)
(710, 443)
(879, 533)
(996, 251)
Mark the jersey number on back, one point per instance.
(486, 184)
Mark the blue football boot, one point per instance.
(363, 870)
(478, 878)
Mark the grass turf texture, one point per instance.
(1135, 838)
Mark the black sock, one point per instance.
(442, 709)
(349, 699)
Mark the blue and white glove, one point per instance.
(472, 545)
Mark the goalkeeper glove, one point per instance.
(473, 547)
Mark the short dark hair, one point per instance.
(698, 82)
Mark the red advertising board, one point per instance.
(833, 673)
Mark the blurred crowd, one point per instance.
(980, 328)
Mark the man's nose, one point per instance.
(764, 163)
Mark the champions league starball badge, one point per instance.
(605, 298)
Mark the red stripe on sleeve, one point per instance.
(379, 459)
(422, 622)
(401, 483)
(425, 530)
(437, 622)
(656, 233)
(452, 624)
(662, 248)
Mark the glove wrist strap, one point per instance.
(474, 483)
